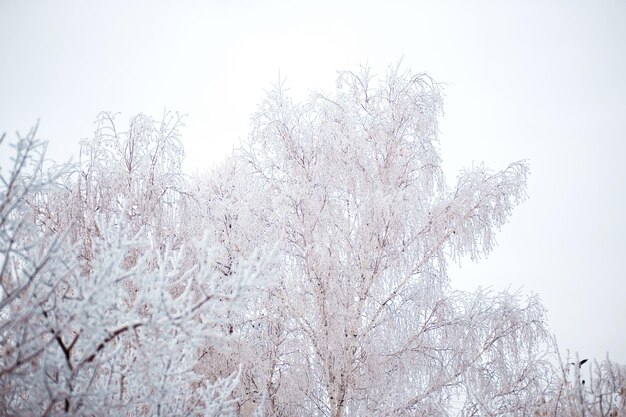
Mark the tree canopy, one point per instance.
(306, 275)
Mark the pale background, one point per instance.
(543, 80)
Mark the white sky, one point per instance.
(542, 80)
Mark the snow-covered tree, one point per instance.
(361, 319)
(106, 307)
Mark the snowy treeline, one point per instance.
(304, 276)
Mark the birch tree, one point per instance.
(364, 319)
(106, 308)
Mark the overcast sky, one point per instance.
(537, 80)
